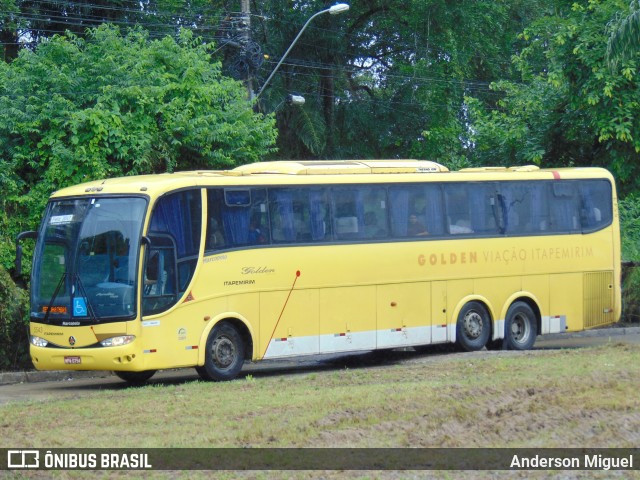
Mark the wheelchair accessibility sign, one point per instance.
(79, 307)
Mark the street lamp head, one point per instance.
(295, 99)
(338, 8)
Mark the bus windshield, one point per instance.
(85, 263)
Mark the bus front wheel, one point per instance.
(520, 327)
(473, 327)
(224, 354)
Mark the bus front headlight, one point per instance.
(117, 341)
(38, 342)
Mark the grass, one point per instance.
(566, 398)
(420, 402)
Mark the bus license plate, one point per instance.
(72, 360)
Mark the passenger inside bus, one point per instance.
(416, 228)
(216, 237)
(371, 227)
(256, 236)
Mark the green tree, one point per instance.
(110, 105)
(624, 41)
(387, 78)
(14, 330)
(569, 108)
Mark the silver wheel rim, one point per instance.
(520, 330)
(473, 324)
(223, 352)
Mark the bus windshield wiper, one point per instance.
(53, 298)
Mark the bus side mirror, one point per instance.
(21, 236)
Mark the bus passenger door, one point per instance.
(403, 315)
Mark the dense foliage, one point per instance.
(14, 337)
(569, 108)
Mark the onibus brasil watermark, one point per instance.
(605, 459)
(34, 459)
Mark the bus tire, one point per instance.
(520, 327)
(224, 354)
(136, 378)
(473, 328)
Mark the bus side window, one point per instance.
(298, 215)
(564, 215)
(215, 238)
(174, 231)
(375, 216)
(348, 208)
(434, 210)
(399, 208)
(516, 201)
(282, 216)
(458, 209)
(596, 205)
(319, 214)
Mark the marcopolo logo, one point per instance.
(23, 459)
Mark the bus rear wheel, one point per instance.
(520, 327)
(136, 378)
(224, 354)
(473, 327)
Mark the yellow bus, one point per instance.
(209, 269)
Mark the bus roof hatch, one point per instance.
(332, 167)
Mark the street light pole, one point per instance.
(334, 10)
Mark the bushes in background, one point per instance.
(629, 209)
(14, 333)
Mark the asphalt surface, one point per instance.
(624, 334)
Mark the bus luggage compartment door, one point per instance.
(403, 315)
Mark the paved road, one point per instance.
(43, 385)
